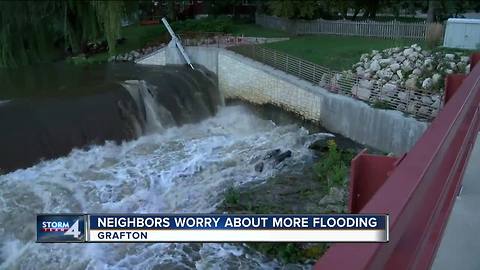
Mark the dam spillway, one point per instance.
(121, 103)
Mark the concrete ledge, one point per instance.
(157, 57)
(386, 130)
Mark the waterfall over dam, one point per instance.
(157, 159)
(116, 103)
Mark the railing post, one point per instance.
(286, 64)
(313, 76)
(300, 68)
(275, 58)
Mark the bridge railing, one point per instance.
(420, 191)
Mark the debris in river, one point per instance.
(283, 156)
(259, 167)
(272, 154)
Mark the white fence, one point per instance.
(392, 29)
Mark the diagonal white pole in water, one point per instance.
(177, 42)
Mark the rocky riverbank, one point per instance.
(318, 187)
(135, 54)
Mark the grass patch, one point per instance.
(232, 197)
(453, 50)
(336, 52)
(253, 30)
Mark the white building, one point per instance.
(462, 33)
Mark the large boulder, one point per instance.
(436, 78)
(411, 83)
(400, 74)
(403, 96)
(407, 66)
(407, 52)
(427, 84)
(272, 154)
(389, 88)
(375, 66)
(413, 56)
(135, 54)
(417, 72)
(416, 47)
(427, 100)
(450, 56)
(283, 156)
(395, 66)
(385, 62)
(319, 145)
(363, 93)
(385, 74)
(259, 167)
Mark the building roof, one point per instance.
(465, 21)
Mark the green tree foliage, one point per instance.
(30, 30)
(218, 7)
(294, 9)
(109, 15)
(328, 9)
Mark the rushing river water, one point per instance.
(183, 169)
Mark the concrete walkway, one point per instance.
(460, 246)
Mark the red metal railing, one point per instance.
(419, 191)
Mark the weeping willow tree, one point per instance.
(30, 31)
(25, 32)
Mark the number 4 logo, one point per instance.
(74, 231)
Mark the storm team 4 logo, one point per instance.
(60, 228)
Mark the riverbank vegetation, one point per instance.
(321, 188)
(139, 36)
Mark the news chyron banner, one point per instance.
(211, 228)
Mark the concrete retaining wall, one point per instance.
(155, 58)
(243, 78)
(206, 56)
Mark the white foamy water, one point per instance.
(181, 170)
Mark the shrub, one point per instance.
(379, 104)
(219, 24)
(333, 166)
(434, 35)
(232, 196)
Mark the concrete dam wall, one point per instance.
(124, 102)
(242, 78)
